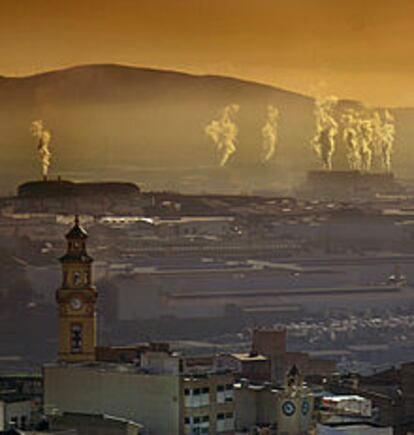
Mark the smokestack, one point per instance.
(224, 132)
(43, 137)
(270, 134)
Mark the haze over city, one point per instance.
(206, 217)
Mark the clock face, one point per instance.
(76, 303)
(288, 408)
(305, 407)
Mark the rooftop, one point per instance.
(77, 231)
(249, 357)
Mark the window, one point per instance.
(76, 278)
(225, 393)
(76, 338)
(225, 422)
(196, 397)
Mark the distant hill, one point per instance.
(116, 121)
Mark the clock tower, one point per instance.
(76, 300)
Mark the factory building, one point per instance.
(349, 184)
(62, 196)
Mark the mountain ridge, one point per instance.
(103, 116)
(124, 67)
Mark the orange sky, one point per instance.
(356, 48)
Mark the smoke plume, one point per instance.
(326, 130)
(368, 135)
(43, 137)
(365, 131)
(385, 135)
(224, 132)
(350, 137)
(269, 134)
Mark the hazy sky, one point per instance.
(353, 48)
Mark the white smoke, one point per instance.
(43, 137)
(385, 135)
(326, 130)
(350, 137)
(224, 134)
(270, 134)
(365, 131)
(368, 135)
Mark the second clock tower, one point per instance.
(76, 299)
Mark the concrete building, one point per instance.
(347, 405)
(355, 429)
(15, 411)
(269, 359)
(280, 411)
(189, 400)
(84, 424)
(407, 387)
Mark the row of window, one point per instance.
(204, 399)
(201, 424)
(20, 423)
(196, 391)
(224, 415)
(227, 387)
(196, 430)
(196, 419)
(206, 418)
(206, 390)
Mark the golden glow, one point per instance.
(354, 49)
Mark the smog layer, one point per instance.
(128, 122)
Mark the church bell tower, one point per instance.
(76, 300)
